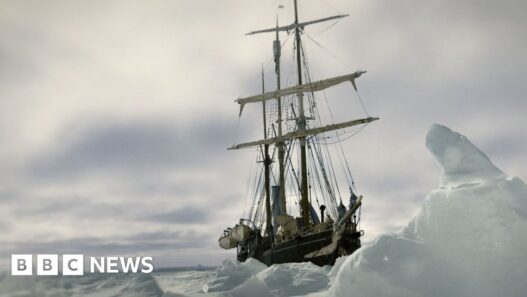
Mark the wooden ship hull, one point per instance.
(300, 249)
(321, 245)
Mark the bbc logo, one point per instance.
(47, 264)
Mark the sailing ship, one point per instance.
(283, 224)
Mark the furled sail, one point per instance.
(307, 87)
(304, 133)
(299, 25)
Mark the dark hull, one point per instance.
(295, 250)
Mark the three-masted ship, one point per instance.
(283, 227)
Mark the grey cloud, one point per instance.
(154, 236)
(159, 188)
(186, 215)
(74, 206)
(133, 146)
(8, 194)
(20, 72)
(141, 242)
(4, 226)
(505, 145)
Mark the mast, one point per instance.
(267, 163)
(280, 145)
(301, 123)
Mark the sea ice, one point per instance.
(232, 273)
(461, 160)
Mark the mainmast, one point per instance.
(301, 123)
(281, 152)
(267, 163)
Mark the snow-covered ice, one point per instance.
(467, 240)
(462, 161)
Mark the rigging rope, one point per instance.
(249, 202)
(362, 103)
(336, 58)
(312, 96)
(325, 49)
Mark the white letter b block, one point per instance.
(47, 264)
(21, 264)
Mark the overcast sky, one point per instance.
(115, 115)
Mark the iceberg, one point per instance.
(462, 161)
